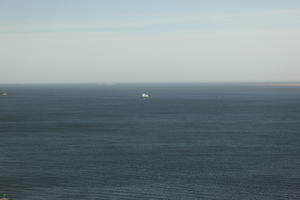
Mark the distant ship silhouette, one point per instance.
(145, 95)
(3, 93)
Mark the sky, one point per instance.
(126, 41)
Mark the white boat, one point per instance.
(3, 93)
(145, 95)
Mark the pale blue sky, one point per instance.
(149, 41)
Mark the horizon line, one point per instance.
(138, 82)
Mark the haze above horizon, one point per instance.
(84, 41)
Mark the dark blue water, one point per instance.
(188, 141)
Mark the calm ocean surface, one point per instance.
(189, 141)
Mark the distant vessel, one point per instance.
(3, 93)
(145, 95)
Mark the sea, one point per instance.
(214, 141)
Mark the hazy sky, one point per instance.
(149, 40)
